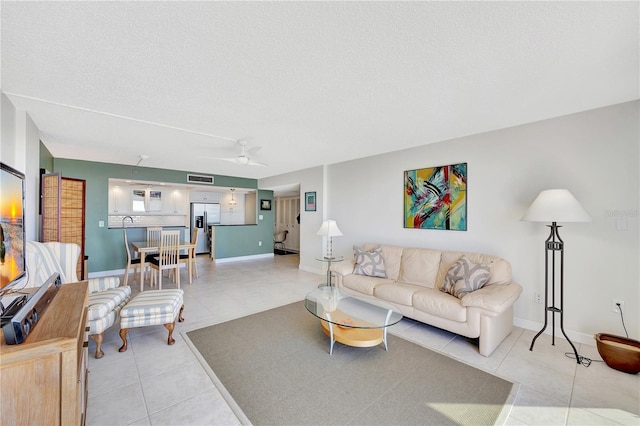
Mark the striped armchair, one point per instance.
(106, 295)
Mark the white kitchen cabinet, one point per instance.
(175, 201)
(204, 197)
(119, 200)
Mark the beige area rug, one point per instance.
(274, 368)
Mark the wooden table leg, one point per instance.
(142, 262)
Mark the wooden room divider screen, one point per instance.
(63, 213)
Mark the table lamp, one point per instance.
(555, 205)
(329, 229)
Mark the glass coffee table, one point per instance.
(352, 321)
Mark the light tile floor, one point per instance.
(153, 383)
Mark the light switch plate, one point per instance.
(101, 224)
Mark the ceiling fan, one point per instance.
(244, 158)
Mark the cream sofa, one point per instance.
(413, 280)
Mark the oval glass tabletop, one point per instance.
(331, 305)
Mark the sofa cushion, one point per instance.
(392, 257)
(419, 266)
(400, 293)
(500, 269)
(440, 304)
(362, 283)
(369, 262)
(464, 277)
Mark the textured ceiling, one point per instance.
(312, 83)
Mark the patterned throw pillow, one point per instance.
(464, 277)
(369, 263)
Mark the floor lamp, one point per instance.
(555, 205)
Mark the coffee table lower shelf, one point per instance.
(357, 337)
(361, 334)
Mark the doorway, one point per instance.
(287, 218)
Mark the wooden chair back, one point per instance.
(153, 235)
(168, 257)
(169, 250)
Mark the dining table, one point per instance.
(143, 248)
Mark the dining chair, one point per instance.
(190, 257)
(168, 257)
(153, 238)
(135, 263)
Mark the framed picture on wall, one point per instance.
(265, 204)
(436, 198)
(310, 201)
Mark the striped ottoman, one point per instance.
(153, 307)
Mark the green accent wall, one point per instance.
(46, 159)
(105, 247)
(242, 240)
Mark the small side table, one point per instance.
(329, 261)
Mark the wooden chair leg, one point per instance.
(123, 336)
(98, 338)
(180, 319)
(170, 327)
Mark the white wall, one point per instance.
(20, 148)
(310, 180)
(594, 154)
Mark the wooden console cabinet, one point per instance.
(43, 381)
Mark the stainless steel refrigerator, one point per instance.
(203, 215)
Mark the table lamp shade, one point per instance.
(329, 228)
(556, 205)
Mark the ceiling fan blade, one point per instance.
(244, 158)
(253, 150)
(232, 159)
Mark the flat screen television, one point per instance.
(12, 232)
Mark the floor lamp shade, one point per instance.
(556, 205)
(329, 229)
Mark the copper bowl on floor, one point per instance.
(619, 352)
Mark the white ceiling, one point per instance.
(312, 83)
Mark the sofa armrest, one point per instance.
(343, 268)
(494, 298)
(103, 283)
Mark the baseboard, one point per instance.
(586, 339)
(240, 258)
(312, 270)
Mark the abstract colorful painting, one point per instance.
(436, 198)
